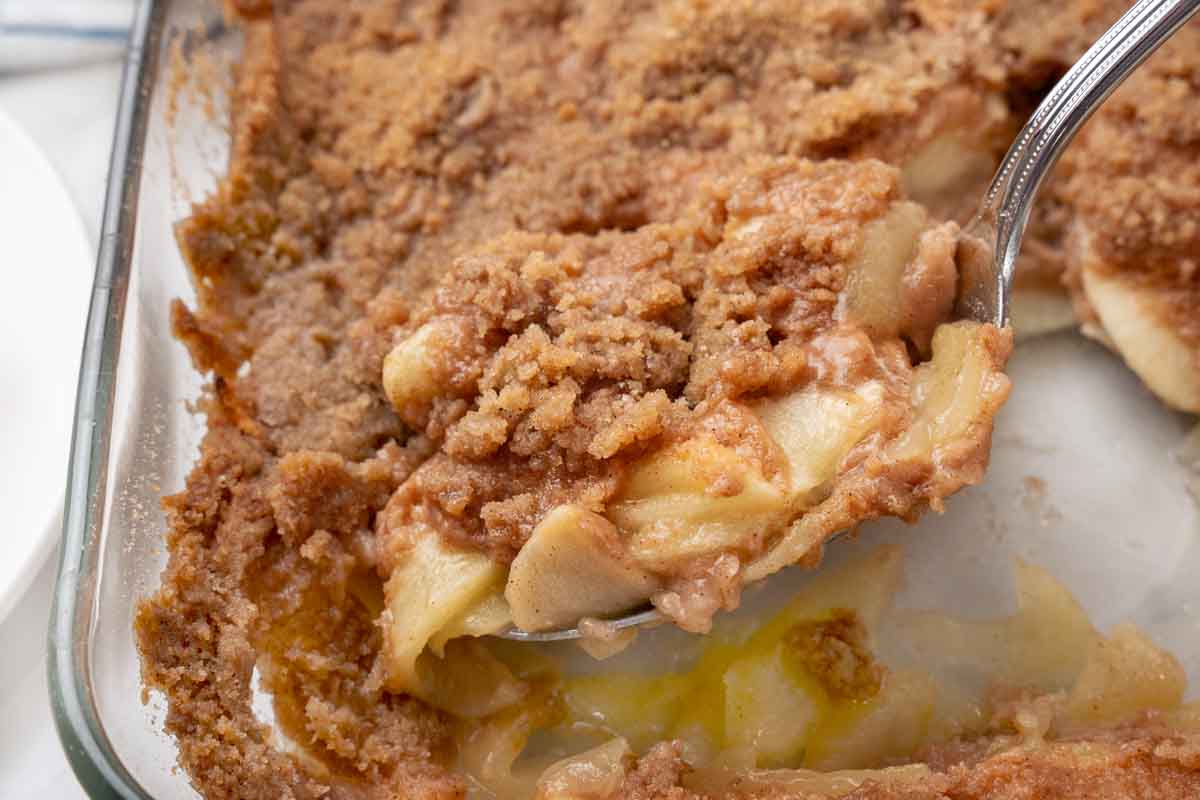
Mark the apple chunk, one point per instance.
(693, 499)
(816, 427)
(1149, 345)
(431, 586)
(875, 277)
(570, 568)
(955, 395)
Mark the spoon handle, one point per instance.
(1004, 212)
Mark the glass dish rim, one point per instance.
(85, 743)
(94, 761)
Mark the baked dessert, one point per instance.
(529, 312)
(666, 413)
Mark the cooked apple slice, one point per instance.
(816, 427)
(1043, 646)
(1138, 328)
(961, 388)
(1125, 674)
(467, 680)
(591, 775)
(487, 616)
(766, 712)
(887, 728)
(693, 499)
(903, 280)
(413, 372)
(948, 168)
(873, 283)
(954, 397)
(431, 585)
(572, 567)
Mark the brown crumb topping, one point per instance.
(556, 359)
(837, 652)
(1142, 150)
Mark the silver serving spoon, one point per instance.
(992, 239)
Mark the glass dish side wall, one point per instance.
(135, 436)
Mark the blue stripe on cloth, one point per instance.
(64, 32)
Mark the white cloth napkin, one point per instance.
(37, 34)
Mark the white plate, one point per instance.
(45, 260)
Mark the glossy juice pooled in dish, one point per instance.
(803, 697)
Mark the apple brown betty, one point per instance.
(530, 313)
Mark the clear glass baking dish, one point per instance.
(134, 436)
(1086, 478)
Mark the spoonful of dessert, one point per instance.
(985, 255)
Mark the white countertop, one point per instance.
(70, 113)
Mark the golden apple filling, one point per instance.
(709, 400)
(802, 698)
